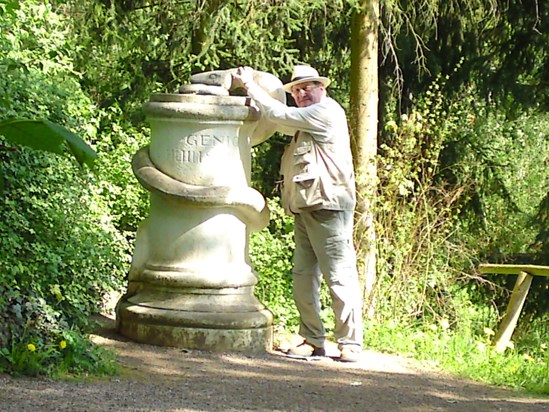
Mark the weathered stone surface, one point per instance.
(190, 281)
(147, 326)
(271, 84)
(203, 89)
(243, 101)
(247, 201)
(221, 78)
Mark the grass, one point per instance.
(523, 366)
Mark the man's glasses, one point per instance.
(306, 89)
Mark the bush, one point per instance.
(60, 253)
(459, 185)
(60, 250)
(271, 256)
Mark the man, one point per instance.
(319, 190)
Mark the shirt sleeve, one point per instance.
(313, 119)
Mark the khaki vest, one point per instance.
(316, 176)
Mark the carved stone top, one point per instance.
(210, 96)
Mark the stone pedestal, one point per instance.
(191, 283)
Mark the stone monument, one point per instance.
(191, 282)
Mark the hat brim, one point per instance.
(324, 80)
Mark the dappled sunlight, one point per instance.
(176, 379)
(195, 380)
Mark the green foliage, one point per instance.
(502, 162)
(450, 175)
(541, 221)
(266, 165)
(126, 199)
(460, 180)
(59, 255)
(425, 39)
(493, 160)
(467, 352)
(48, 136)
(415, 214)
(271, 257)
(60, 252)
(70, 353)
(126, 50)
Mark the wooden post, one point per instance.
(518, 296)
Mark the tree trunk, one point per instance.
(363, 124)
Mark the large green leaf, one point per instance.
(47, 136)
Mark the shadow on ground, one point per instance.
(168, 379)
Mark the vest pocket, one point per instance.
(307, 192)
(306, 180)
(302, 187)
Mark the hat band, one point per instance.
(296, 79)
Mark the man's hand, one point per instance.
(243, 76)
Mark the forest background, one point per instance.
(461, 160)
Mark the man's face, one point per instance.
(308, 93)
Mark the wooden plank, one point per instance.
(501, 269)
(509, 321)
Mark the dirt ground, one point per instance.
(168, 379)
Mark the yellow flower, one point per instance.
(31, 347)
(528, 357)
(489, 331)
(444, 324)
(63, 344)
(433, 327)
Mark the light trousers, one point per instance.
(324, 249)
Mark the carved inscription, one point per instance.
(187, 156)
(196, 147)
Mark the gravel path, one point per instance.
(168, 379)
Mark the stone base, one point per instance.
(250, 332)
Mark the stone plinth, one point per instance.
(191, 283)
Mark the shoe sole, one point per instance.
(304, 357)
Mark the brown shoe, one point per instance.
(306, 349)
(350, 353)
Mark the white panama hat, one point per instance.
(302, 74)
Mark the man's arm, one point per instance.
(310, 119)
